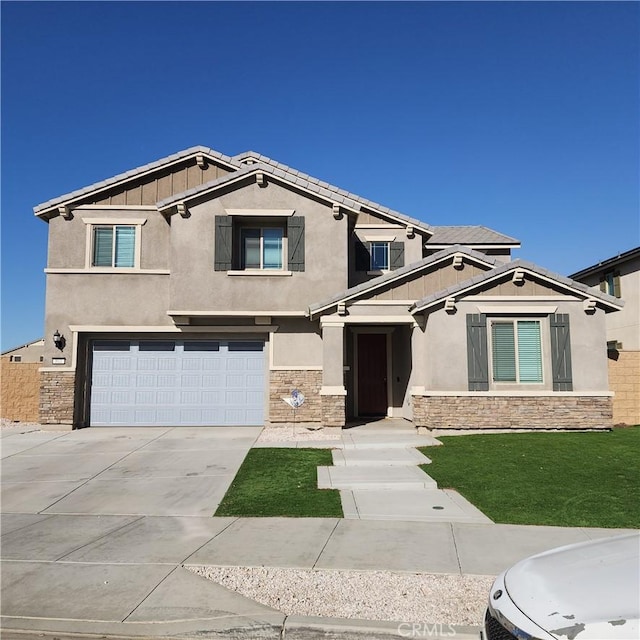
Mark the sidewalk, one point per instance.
(99, 529)
(117, 575)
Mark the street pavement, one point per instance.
(99, 526)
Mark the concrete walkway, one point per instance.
(127, 576)
(376, 471)
(99, 526)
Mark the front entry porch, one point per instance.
(377, 372)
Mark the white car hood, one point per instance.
(586, 591)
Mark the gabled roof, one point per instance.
(39, 343)
(301, 177)
(609, 303)
(607, 264)
(381, 281)
(470, 235)
(69, 198)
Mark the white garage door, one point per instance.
(175, 383)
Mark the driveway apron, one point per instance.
(124, 471)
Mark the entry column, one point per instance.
(333, 392)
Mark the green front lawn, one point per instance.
(281, 482)
(568, 479)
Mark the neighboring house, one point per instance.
(202, 289)
(20, 382)
(620, 277)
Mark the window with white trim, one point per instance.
(113, 246)
(261, 248)
(516, 350)
(379, 252)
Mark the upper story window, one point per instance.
(379, 256)
(114, 246)
(516, 351)
(610, 283)
(256, 242)
(261, 248)
(113, 243)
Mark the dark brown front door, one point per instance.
(372, 374)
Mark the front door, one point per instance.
(372, 374)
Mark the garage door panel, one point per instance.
(147, 364)
(212, 364)
(191, 364)
(145, 397)
(143, 416)
(166, 380)
(166, 397)
(178, 383)
(191, 381)
(145, 380)
(167, 364)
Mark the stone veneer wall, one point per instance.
(56, 397)
(282, 383)
(624, 380)
(20, 390)
(333, 411)
(513, 412)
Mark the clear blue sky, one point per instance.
(519, 116)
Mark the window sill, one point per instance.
(260, 272)
(110, 270)
(377, 272)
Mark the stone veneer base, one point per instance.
(326, 410)
(57, 390)
(513, 412)
(282, 383)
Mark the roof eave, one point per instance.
(605, 264)
(50, 208)
(604, 301)
(381, 281)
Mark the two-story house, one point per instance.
(619, 276)
(201, 289)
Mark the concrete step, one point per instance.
(378, 457)
(377, 477)
(417, 505)
(373, 440)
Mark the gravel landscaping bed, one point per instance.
(20, 426)
(299, 433)
(367, 595)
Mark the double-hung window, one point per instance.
(379, 256)
(610, 283)
(261, 248)
(516, 351)
(114, 246)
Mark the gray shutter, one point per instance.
(223, 246)
(295, 235)
(603, 284)
(477, 359)
(561, 352)
(396, 255)
(363, 255)
(616, 285)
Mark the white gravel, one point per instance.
(367, 595)
(25, 426)
(300, 433)
(22, 426)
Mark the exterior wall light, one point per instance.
(58, 340)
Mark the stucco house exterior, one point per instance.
(201, 289)
(619, 276)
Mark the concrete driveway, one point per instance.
(121, 471)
